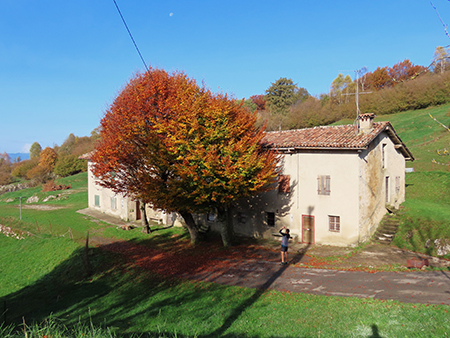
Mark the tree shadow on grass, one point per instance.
(237, 312)
(130, 295)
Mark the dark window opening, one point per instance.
(270, 219)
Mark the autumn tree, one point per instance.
(178, 147)
(341, 87)
(441, 60)
(5, 169)
(43, 171)
(21, 169)
(379, 78)
(259, 101)
(404, 71)
(48, 159)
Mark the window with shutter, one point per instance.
(324, 185)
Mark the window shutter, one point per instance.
(324, 185)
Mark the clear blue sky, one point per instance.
(63, 62)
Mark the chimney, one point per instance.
(366, 122)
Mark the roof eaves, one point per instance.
(398, 142)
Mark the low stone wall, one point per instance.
(8, 232)
(12, 187)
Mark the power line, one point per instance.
(131, 36)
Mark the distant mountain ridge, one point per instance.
(23, 156)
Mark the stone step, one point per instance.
(384, 227)
(386, 230)
(383, 240)
(386, 235)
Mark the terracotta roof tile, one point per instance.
(86, 156)
(339, 137)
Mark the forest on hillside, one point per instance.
(386, 90)
(49, 163)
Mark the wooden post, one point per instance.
(87, 265)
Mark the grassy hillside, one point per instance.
(46, 273)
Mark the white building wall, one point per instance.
(304, 199)
(105, 200)
(342, 200)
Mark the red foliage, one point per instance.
(52, 186)
(387, 77)
(260, 101)
(184, 260)
(379, 79)
(173, 144)
(403, 71)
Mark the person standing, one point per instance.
(284, 244)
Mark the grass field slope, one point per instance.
(53, 285)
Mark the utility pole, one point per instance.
(20, 199)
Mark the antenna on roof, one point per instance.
(356, 93)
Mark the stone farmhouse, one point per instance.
(335, 186)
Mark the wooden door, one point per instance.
(307, 229)
(138, 211)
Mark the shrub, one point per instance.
(69, 165)
(39, 174)
(52, 186)
(21, 169)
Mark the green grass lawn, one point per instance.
(128, 299)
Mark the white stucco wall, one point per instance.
(125, 207)
(304, 169)
(343, 198)
(104, 197)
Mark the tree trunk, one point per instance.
(192, 227)
(144, 221)
(226, 226)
